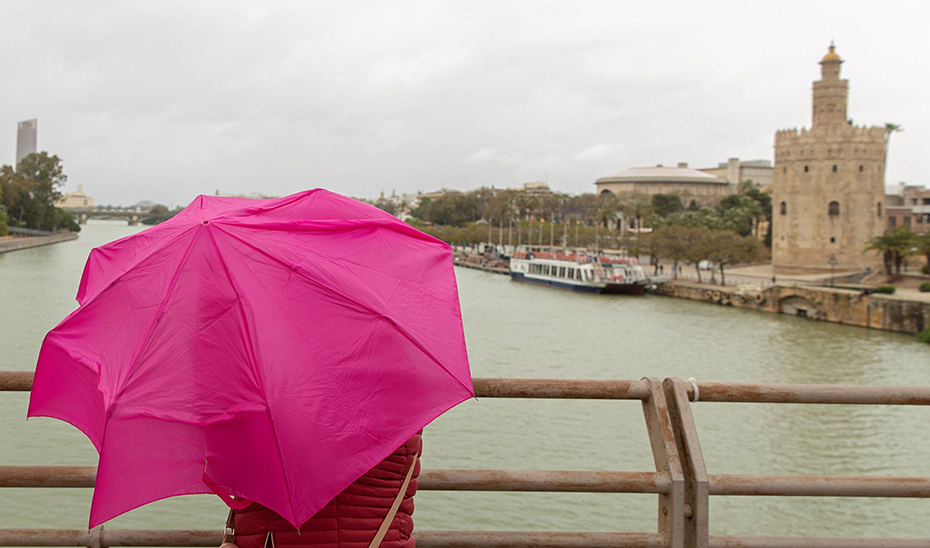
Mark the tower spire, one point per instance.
(830, 93)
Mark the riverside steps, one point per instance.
(680, 483)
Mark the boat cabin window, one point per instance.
(561, 272)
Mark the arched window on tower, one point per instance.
(834, 209)
(783, 208)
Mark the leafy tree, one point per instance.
(740, 213)
(672, 244)
(666, 204)
(728, 248)
(46, 177)
(894, 246)
(158, 209)
(453, 208)
(697, 241)
(14, 192)
(706, 217)
(29, 192)
(63, 219)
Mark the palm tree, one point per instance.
(889, 129)
(894, 246)
(637, 207)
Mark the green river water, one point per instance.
(521, 330)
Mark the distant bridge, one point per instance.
(131, 215)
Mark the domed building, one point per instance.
(687, 183)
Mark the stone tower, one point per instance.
(829, 184)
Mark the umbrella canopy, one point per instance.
(274, 350)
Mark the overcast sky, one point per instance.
(165, 100)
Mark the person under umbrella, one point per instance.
(271, 350)
(376, 510)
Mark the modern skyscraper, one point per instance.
(26, 139)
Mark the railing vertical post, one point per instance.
(665, 454)
(692, 460)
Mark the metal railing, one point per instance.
(680, 481)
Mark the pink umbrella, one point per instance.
(274, 350)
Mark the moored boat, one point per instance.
(579, 271)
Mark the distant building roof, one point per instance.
(536, 188)
(680, 174)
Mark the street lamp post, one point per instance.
(832, 262)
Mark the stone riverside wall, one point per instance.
(14, 244)
(875, 311)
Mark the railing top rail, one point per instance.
(561, 388)
(745, 392)
(16, 381)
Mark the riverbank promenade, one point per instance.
(13, 243)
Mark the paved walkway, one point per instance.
(761, 275)
(12, 244)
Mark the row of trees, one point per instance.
(682, 244)
(28, 194)
(897, 245)
(747, 212)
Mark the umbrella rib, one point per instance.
(158, 315)
(258, 377)
(137, 259)
(357, 304)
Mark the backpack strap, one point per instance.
(229, 533)
(389, 518)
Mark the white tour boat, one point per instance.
(579, 271)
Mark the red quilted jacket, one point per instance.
(350, 520)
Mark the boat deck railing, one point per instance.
(680, 482)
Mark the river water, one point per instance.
(521, 330)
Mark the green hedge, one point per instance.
(884, 289)
(924, 287)
(924, 336)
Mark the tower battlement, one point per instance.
(862, 134)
